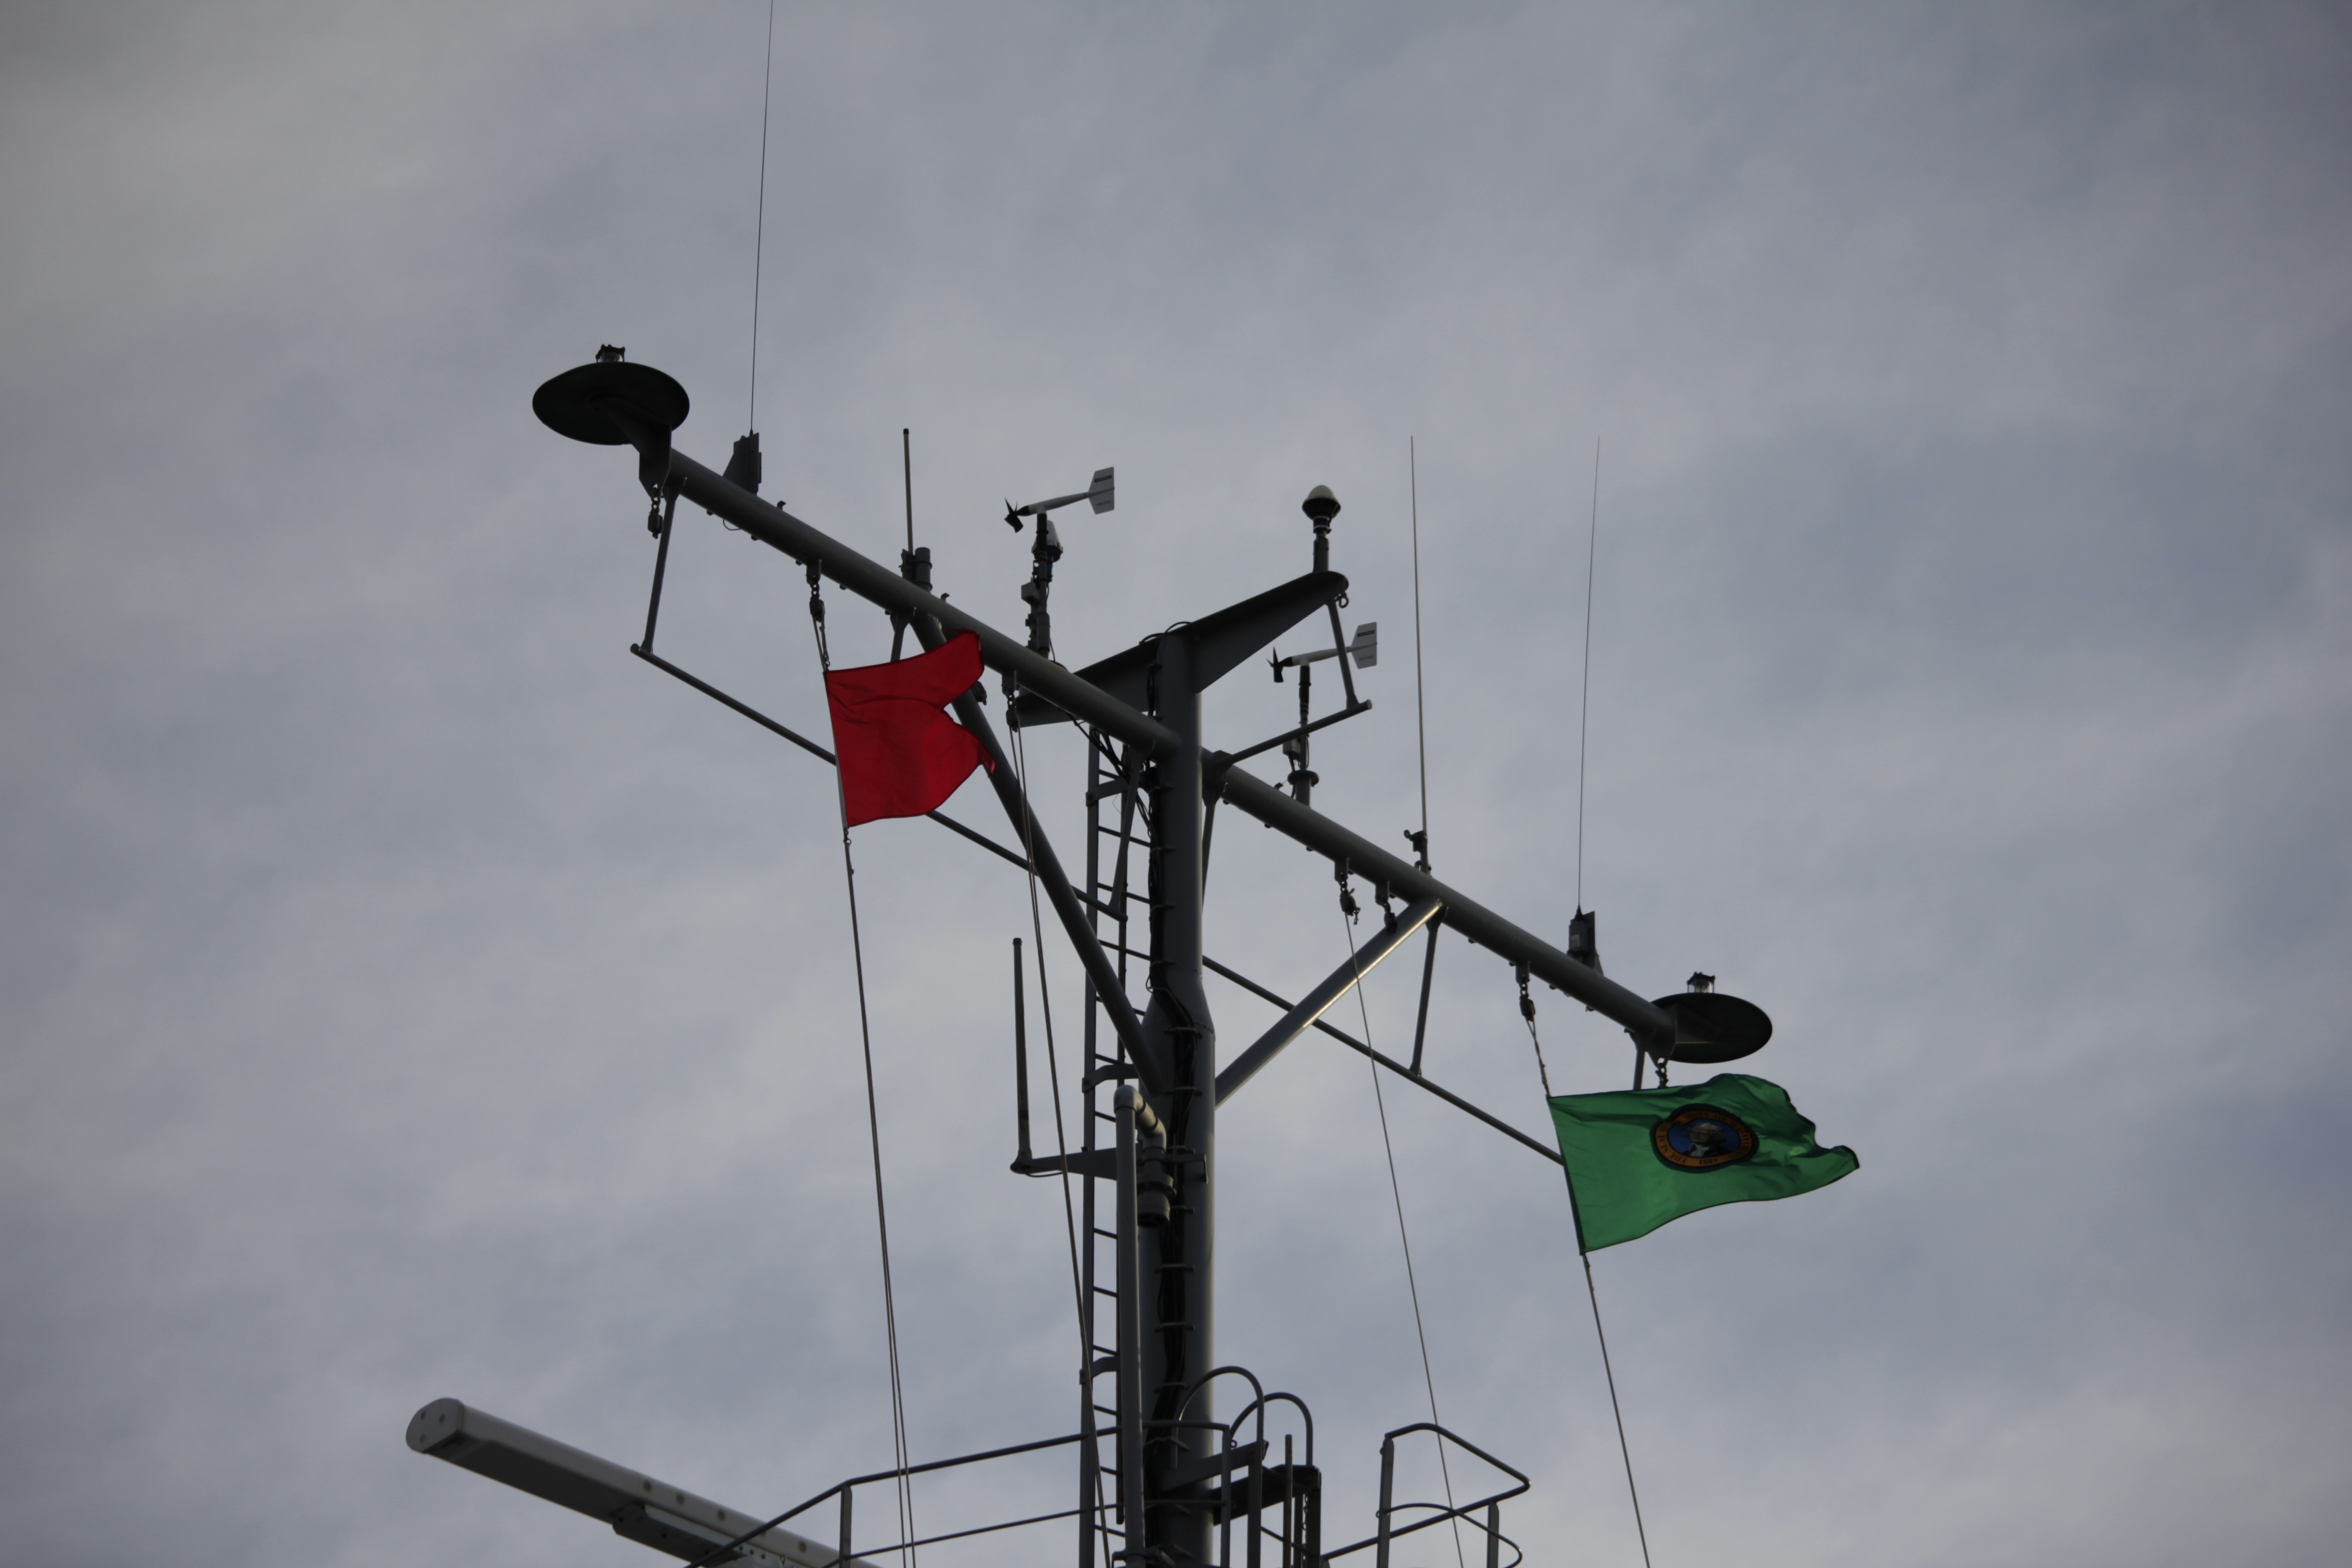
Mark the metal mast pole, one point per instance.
(1141, 708)
(1178, 1261)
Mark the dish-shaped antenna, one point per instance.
(611, 403)
(598, 402)
(1710, 1026)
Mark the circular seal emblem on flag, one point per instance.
(1702, 1138)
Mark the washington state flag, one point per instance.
(1638, 1158)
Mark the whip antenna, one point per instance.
(760, 222)
(1420, 703)
(1421, 723)
(1584, 704)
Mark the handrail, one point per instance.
(721, 1550)
(1305, 1416)
(978, 1530)
(1387, 1534)
(1215, 1372)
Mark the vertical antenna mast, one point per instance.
(1584, 705)
(1421, 725)
(760, 222)
(1421, 703)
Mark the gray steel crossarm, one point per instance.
(1056, 881)
(871, 581)
(651, 1512)
(1320, 1001)
(1647, 1022)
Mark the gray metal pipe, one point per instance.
(1320, 1001)
(1179, 1257)
(1050, 877)
(877, 583)
(1647, 1021)
(1131, 1114)
(638, 1507)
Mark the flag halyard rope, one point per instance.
(1592, 1291)
(1061, 1137)
(905, 1487)
(1052, 1067)
(1413, 1286)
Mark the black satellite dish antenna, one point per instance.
(1710, 1026)
(611, 403)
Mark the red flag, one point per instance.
(901, 755)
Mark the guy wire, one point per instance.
(760, 223)
(1411, 1285)
(1584, 706)
(873, 1123)
(1052, 1067)
(1602, 1334)
(1528, 1010)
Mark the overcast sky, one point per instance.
(404, 992)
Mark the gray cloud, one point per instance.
(407, 992)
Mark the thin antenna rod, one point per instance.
(759, 224)
(1420, 703)
(907, 455)
(1421, 723)
(1584, 706)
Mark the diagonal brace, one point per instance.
(1058, 891)
(1648, 1022)
(1317, 1002)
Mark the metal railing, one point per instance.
(846, 1492)
(1439, 1513)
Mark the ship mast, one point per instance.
(1153, 1456)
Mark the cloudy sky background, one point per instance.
(405, 992)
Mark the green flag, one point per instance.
(1639, 1158)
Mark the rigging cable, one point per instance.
(1053, 1066)
(1054, 1081)
(873, 1115)
(1592, 1291)
(1412, 1286)
(760, 222)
